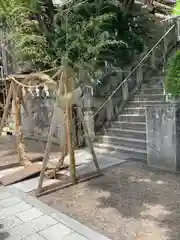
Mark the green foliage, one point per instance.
(176, 9)
(97, 34)
(172, 82)
(28, 42)
(91, 35)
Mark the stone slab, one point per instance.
(7, 202)
(35, 237)
(33, 226)
(31, 184)
(4, 195)
(75, 236)
(58, 216)
(29, 214)
(56, 232)
(85, 162)
(10, 222)
(10, 211)
(84, 165)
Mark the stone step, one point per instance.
(129, 142)
(134, 153)
(126, 133)
(152, 91)
(137, 111)
(131, 118)
(129, 125)
(136, 104)
(152, 85)
(110, 154)
(150, 97)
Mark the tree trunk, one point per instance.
(48, 12)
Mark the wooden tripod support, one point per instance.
(67, 81)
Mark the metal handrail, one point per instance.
(134, 69)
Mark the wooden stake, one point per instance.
(22, 155)
(46, 155)
(17, 109)
(70, 144)
(68, 87)
(6, 108)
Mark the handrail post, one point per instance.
(88, 112)
(125, 92)
(153, 59)
(165, 46)
(109, 110)
(178, 29)
(139, 74)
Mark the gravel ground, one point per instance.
(131, 201)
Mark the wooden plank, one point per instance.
(20, 175)
(65, 182)
(17, 164)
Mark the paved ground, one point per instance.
(83, 160)
(130, 202)
(24, 217)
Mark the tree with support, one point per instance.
(17, 98)
(66, 96)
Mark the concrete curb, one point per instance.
(61, 217)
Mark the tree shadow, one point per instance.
(147, 196)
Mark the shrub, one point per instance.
(172, 81)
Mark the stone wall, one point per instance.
(163, 136)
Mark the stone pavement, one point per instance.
(25, 217)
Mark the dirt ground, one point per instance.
(130, 202)
(8, 152)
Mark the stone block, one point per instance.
(29, 214)
(10, 211)
(10, 222)
(56, 232)
(4, 195)
(9, 202)
(33, 226)
(34, 237)
(75, 236)
(163, 136)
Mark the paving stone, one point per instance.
(10, 211)
(33, 226)
(34, 237)
(10, 222)
(56, 232)
(29, 214)
(31, 184)
(4, 195)
(75, 236)
(9, 202)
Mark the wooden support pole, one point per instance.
(46, 155)
(70, 144)
(6, 108)
(17, 97)
(17, 109)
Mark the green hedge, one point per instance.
(172, 81)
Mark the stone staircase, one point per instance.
(126, 137)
